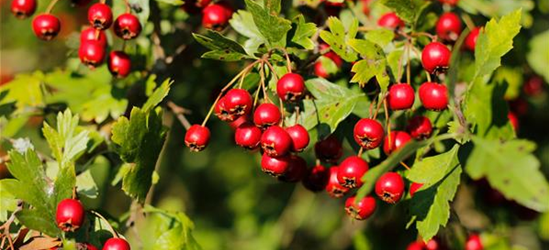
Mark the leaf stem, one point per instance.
(111, 229)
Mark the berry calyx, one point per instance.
(46, 26)
(91, 53)
(222, 112)
(290, 87)
(275, 141)
(238, 102)
(420, 127)
(329, 149)
(316, 178)
(334, 189)
(100, 16)
(127, 26)
(275, 166)
(300, 137)
(91, 34)
(471, 39)
(69, 215)
(116, 244)
(119, 64)
(296, 170)
(368, 133)
(23, 8)
(391, 21)
(266, 115)
(414, 187)
(247, 136)
(390, 187)
(473, 243)
(351, 170)
(197, 137)
(397, 140)
(362, 209)
(435, 57)
(401, 96)
(433, 96)
(216, 16)
(448, 26)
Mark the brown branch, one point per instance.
(180, 112)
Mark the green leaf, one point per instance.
(8, 201)
(432, 169)
(39, 221)
(538, 56)
(393, 60)
(373, 64)
(243, 22)
(511, 168)
(337, 38)
(139, 141)
(302, 33)
(381, 37)
(332, 103)
(272, 27)
(222, 48)
(158, 95)
(174, 229)
(25, 91)
(405, 9)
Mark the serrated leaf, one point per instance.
(24, 91)
(373, 64)
(158, 95)
(381, 37)
(8, 201)
(243, 22)
(432, 169)
(538, 56)
(222, 48)
(64, 142)
(37, 220)
(393, 60)
(511, 168)
(302, 33)
(405, 9)
(328, 65)
(272, 27)
(337, 38)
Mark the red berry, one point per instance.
(362, 210)
(433, 244)
(448, 26)
(100, 16)
(91, 53)
(127, 26)
(416, 245)
(391, 21)
(275, 141)
(316, 178)
(119, 64)
(533, 86)
(398, 140)
(90, 247)
(401, 96)
(368, 133)
(46, 26)
(296, 170)
(266, 115)
(329, 149)
(70, 215)
(23, 8)
(473, 243)
(197, 137)
(334, 57)
(222, 112)
(194, 6)
(433, 96)
(247, 136)
(471, 39)
(216, 16)
(435, 57)
(238, 102)
(300, 137)
(290, 87)
(334, 189)
(414, 187)
(390, 187)
(514, 120)
(351, 171)
(239, 121)
(419, 127)
(275, 166)
(320, 71)
(449, 2)
(91, 34)
(116, 244)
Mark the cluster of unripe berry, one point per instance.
(70, 216)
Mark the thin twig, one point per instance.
(179, 112)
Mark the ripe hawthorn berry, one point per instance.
(397, 140)
(362, 209)
(435, 57)
(195, 6)
(222, 112)
(119, 64)
(473, 243)
(46, 26)
(197, 137)
(127, 26)
(351, 170)
(401, 96)
(290, 87)
(300, 137)
(471, 39)
(448, 26)
(433, 96)
(216, 16)
(247, 136)
(319, 68)
(69, 215)
(390, 187)
(275, 141)
(116, 244)
(513, 119)
(416, 245)
(23, 8)
(420, 127)
(266, 115)
(414, 187)
(91, 53)
(391, 21)
(334, 189)
(239, 121)
(91, 34)
(368, 133)
(275, 166)
(100, 16)
(295, 171)
(238, 102)
(316, 178)
(329, 149)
